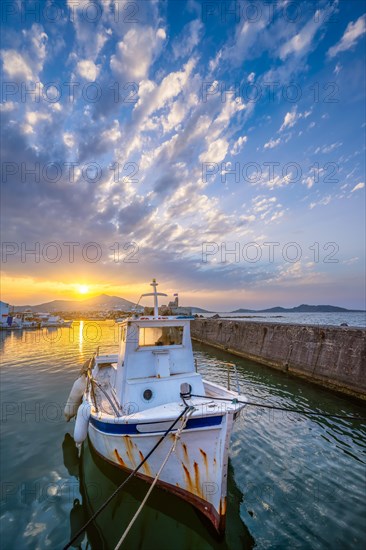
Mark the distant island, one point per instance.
(104, 302)
(304, 308)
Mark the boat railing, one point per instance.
(93, 383)
(233, 367)
(230, 367)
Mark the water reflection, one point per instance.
(81, 339)
(165, 521)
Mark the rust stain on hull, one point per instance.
(189, 482)
(193, 486)
(223, 503)
(120, 459)
(129, 449)
(197, 481)
(205, 461)
(185, 452)
(145, 466)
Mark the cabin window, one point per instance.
(160, 336)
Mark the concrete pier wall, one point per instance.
(334, 357)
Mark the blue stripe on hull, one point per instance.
(122, 429)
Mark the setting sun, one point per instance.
(83, 289)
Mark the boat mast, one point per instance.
(154, 284)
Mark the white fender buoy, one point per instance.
(82, 422)
(75, 397)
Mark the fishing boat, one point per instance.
(52, 321)
(9, 321)
(146, 409)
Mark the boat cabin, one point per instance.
(155, 361)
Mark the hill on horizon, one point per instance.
(303, 308)
(101, 302)
(106, 302)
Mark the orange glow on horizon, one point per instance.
(24, 290)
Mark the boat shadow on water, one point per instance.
(166, 521)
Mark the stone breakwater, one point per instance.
(331, 356)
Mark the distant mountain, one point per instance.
(102, 302)
(304, 308)
(105, 302)
(198, 310)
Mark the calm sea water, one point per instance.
(294, 482)
(356, 319)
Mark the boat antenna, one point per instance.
(154, 284)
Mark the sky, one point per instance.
(217, 146)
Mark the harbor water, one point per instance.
(294, 481)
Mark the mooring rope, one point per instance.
(275, 407)
(92, 518)
(171, 450)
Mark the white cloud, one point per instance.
(266, 209)
(136, 52)
(69, 139)
(113, 134)
(88, 69)
(328, 148)
(55, 106)
(27, 63)
(8, 106)
(188, 39)
(216, 151)
(238, 145)
(15, 66)
(322, 202)
(272, 143)
(309, 182)
(33, 117)
(352, 33)
(262, 204)
(27, 129)
(360, 185)
(276, 216)
(90, 36)
(351, 260)
(301, 42)
(290, 120)
(271, 181)
(153, 97)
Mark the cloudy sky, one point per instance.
(217, 146)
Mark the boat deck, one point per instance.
(205, 405)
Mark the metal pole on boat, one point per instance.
(237, 379)
(154, 284)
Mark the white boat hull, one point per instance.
(196, 471)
